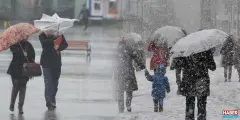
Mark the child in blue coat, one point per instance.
(159, 87)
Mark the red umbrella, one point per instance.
(15, 34)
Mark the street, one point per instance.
(84, 89)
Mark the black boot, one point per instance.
(129, 109)
(11, 108)
(50, 106)
(160, 109)
(155, 109)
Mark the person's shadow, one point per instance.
(20, 117)
(50, 115)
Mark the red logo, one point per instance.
(230, 112)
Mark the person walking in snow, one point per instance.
(227, 53)
(176, 64)
(236, 58)
(196, 82)
(124, 74)
(23, 52)
(160, 85)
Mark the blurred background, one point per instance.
(141, 16)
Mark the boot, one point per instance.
(155, 108)
(129, 109)
(160, 109)
(20, 108)
(11, 108)
(50, 106)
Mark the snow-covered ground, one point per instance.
(224, 96)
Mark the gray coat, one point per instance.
(125, 73)
(227, 52)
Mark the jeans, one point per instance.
(190, 106)
(51, 80)
(121, 99)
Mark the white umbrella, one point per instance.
(54, 23)
(169, 34)
(198, 42)
(134, 40)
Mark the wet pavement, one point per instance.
(77, 99)
(84, 88)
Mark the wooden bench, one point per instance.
(80, 45)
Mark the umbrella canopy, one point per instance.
(54, 23)
(133, 40)
(169, 34)
(15, 34)
(199, 42)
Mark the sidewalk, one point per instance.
(77, 99)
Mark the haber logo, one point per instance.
(230, 114)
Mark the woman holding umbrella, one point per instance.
(227, 53)
(197, 53)
(23, 52)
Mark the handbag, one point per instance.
(31, 69)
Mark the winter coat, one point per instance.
(160, 55)
(195, 80)
(50, 57)
(176, 64)
(18, 59)
(236, 58)
(125, 73)
(160, 83)
(227, 52)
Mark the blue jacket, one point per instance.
(160, 82)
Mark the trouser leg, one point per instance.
(55, 81)
(225, 72)
(201, 104)
(155, 105)
(190, 105)
(14, 93)
(48, 85)
(129, 98)
(229, 73)
(121, 101)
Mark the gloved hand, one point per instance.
(168, 91)
(142, 67)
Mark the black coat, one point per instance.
(49, 57)
(196, 81)
(16, 65)
(227, 52)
